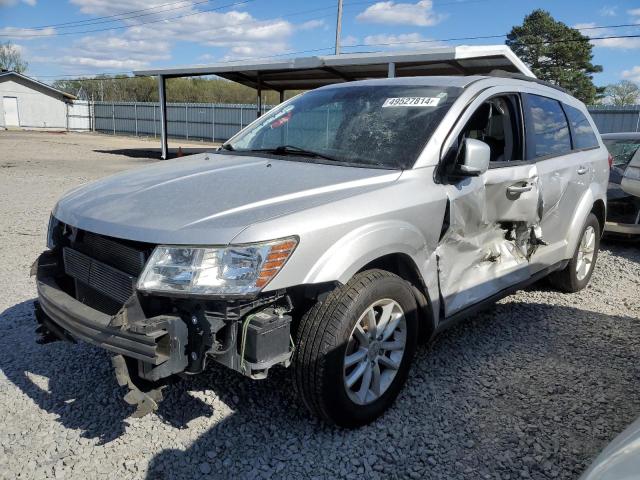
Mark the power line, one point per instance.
(199, 12)
(89, 21)
(620, 25)
(358, 45)
(154, 13)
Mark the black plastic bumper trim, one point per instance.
(92, 326)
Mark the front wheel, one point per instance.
(575, 276)
(354, 350)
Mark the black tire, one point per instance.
(322, 339)
(566, 280)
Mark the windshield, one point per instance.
(370, 126)
(622, 151)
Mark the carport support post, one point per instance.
(259, 98)
(392, 70)
(162, 99)
(281, 96)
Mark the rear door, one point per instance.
(490, 236)
(564, 147)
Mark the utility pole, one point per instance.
(339, 27)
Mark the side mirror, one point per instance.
(476, 158)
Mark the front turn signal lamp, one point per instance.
(233, 270)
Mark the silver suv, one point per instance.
(329, 236)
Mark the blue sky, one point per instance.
(201, 32)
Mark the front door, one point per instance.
(10, 105)
(493, 217)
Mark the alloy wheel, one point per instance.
(586, 253)
(375, 350)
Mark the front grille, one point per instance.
(118, 255)
(104, 270)
(113, 283)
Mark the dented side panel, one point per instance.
(492, 234)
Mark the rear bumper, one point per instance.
(622, 228)
(159, 342)
(623, 215)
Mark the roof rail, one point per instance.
(526, 78)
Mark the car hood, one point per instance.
(208, 198)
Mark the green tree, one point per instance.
(623, 93)
(556, 53)
(11, 58)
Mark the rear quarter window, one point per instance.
(583, 134)
(547, 127)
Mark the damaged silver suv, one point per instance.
(329, 236)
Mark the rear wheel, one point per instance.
(354, 350)
(576, 275)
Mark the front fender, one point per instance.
(363, 245)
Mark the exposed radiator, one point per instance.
(107, 280)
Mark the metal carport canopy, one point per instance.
(312, 72)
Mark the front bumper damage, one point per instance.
(157, 338)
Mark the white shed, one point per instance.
(27, 103)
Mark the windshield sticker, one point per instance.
(280, 118)
(280, 121)
(412, 102)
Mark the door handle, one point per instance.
(582, 170)
(519, 188)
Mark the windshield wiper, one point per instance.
(293, 150)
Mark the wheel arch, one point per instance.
(592, 201)
(599, 209)
(405, 267)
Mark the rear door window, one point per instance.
(546, 126)
(583, 134)
(622, 151)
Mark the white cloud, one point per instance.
(114, 7)
(112, 53)
(23, 33)
(349, 40)
(241, 33)
(634, 12)
(619, 43)
(311, 24)
(10, 3)
(607, 11)
(410, 41)
(138, 45)
(420, 14)
(107, 64)
(633, 74)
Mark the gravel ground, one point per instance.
(532, 388)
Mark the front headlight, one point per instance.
(233, 270)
